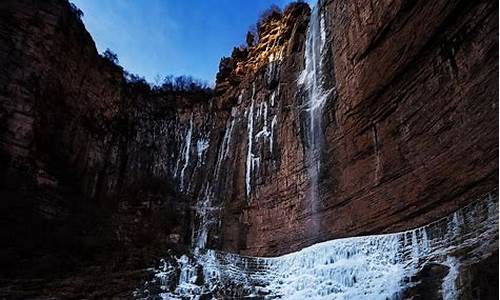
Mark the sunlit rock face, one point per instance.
(390, 266)
(384, 138)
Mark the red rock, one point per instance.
(410, 132)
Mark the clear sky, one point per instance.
(179, 37)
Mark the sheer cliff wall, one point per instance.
(85, 155)
(410, 123)
(410, 127)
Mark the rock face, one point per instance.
(408, 133)
(409, 124)
(416, 99)
(86, 157)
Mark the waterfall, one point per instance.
(202, 210)
(226, 140)
(206, 208)
(365, 267)
(310, 81)
(185, 153)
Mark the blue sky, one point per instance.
(179, 37)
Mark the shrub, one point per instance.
(273, 12)
(110, 56)
(183, 83)
(252, 36)
(136, 84)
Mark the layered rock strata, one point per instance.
(408, 131)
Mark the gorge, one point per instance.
(351, 152)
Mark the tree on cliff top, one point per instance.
(137, 84)
(273, 12)
(253, 33)
(183, 83)
(251, 37)
(110, 56)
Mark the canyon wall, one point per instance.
(409, 125)
(409, 129)
(86, 154)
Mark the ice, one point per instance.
(271, 139)
(250, 156)
(367, 267)
(186, 151)
(201, 146)
(273, 66)
(322, 31)
(449, 287)
(345, 269)
(226, 140)
(263, 133)
(273, 96)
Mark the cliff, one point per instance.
(406, 133)
(85, 152)
(409, 125)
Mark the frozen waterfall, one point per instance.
(369, 267)
(185, 154)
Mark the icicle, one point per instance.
(228, 140)
(414, 244)
(240, 97)
(201, 146)
(455, 224)
(255, 163)
(250, 155)
(449, 286)
(199, 239)
(224, 148)
(264, 104)
(271, 140)
(263, 133)
(273, 95)
(186, 151)
(323, 31)
(425, 242)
